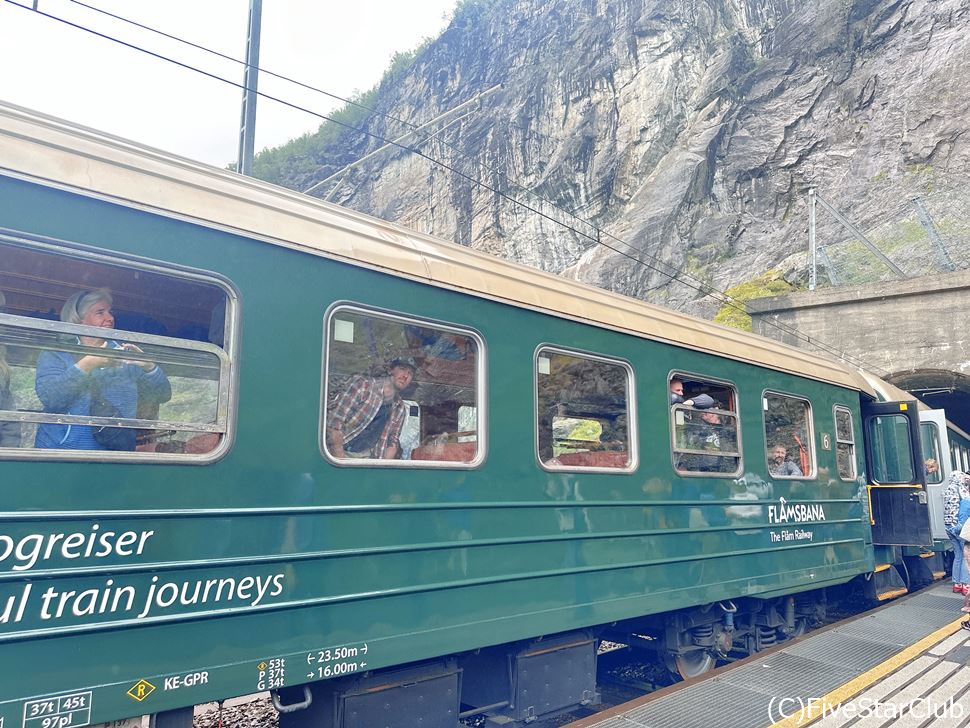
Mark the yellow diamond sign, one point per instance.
(141, 690)
(261, 666)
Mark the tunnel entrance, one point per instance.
(939, 389)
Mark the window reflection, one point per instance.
(584, 411)
(788, 434)
(399, 390)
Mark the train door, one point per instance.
(936, 464)
(898, 503)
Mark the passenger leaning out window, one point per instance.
(95, 384)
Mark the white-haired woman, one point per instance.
(93, 385)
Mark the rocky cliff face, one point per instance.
(686, 131)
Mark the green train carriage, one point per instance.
(544, 485)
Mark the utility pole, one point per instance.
(247, 129)
(812, 245)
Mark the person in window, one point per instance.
(89, 385)
(932, 470)
(778, 465)
(367, 418)
(708, 434)
(9, 430)
(698, 401)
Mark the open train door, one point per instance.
(935, 441)
(898, 503)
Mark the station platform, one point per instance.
(907, 664)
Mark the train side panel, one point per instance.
(271, 566)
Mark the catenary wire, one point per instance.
(288, 79)
(374, 112)
(671, 272)
(706, 290)
(240, 61)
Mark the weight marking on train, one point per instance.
(141, 690)
(64, 711)
(272, 674)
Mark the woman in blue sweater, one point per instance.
(74, 384)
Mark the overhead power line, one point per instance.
(239, 61)
(705, 289)
(670, 272)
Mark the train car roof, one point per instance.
(52, 151)
(887, 392)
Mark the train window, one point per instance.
(401, 391)
(585, 415)
(844, 443)
(705, 433)
(930, 442)
(889, 437)
(106, 358)
(788, 436)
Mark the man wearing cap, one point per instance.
(367, 418)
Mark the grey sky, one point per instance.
(336, 46)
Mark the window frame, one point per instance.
(481, 383)
(855, 464)
(937, 452)
(727, 383)
(915, 463)
(631, 410)
(811, 433)
(228, 389)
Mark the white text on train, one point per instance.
(786, 512)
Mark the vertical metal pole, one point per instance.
(923, 215)
(813, 271)
(829, 267)
(247, 129)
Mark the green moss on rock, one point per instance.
(769, 283)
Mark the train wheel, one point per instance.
(689, 664)
(801, 627)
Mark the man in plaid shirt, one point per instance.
(367, 418)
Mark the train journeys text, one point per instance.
(115, 599)
(125, 597)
